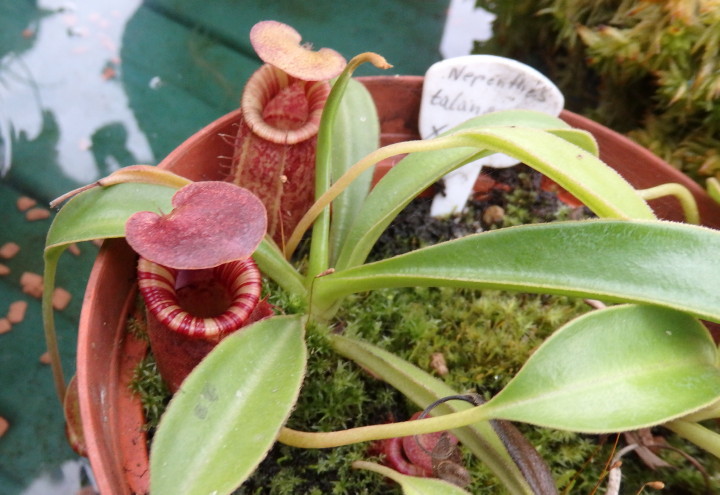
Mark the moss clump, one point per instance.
(484, 337)
(146, 382)
(336, 395)
(650, 69)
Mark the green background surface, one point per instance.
(89, 86)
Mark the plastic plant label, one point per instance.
(459, 88)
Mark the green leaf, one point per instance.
(617, 369)
(356, 133)
(227, 413)
(698, 434)
(713, 189)
(579, 138)
(568, 158)
(424, 389)
(319, 257)
(97, 213)
(273, 264)
(415, 173)
(664, 263)
(101, 212)
(413, 485)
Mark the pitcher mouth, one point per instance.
(240, 281)
(265, 85)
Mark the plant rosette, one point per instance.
(661, 273)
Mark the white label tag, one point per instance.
(460, 88)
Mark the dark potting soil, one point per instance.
(517, 191)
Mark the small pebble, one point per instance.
(32, 284)
(45, 357)
(493, 214)
(4, 269)
(4, 426)
(5, 325)
(9, 250)
(17, 310)
(34, 214)
(60, 298)
(24, 203)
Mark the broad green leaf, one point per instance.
(424, 389)
(656, 262)
(356, 133)
(227, 413)
(101, 212)
(621, 368)
(96, 213)
(583, 139)
(568, 158)
(319, 257)
(413, 485)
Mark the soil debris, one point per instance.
(438, 364)
(493, 215)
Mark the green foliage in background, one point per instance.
(649, 69)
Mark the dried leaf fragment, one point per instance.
(438, 364)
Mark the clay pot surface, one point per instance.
(112, 417)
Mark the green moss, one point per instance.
(483, 336)
(336, 395)
(149, 386)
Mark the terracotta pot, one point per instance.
(107, 355)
